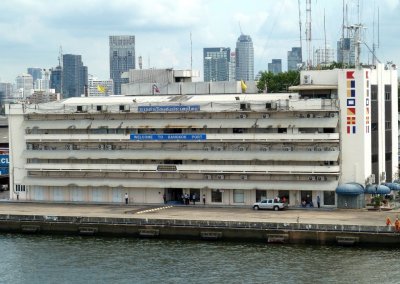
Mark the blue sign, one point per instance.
(3, 171)
(4, 160)
(141, 137)
(168, 108)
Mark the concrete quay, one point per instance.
(311, 226)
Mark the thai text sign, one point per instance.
(168, 108)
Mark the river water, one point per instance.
(72, 259)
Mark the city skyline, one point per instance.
(32, 33)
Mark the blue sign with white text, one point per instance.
(168, 108)
(4, 160)
(157, 137)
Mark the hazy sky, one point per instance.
(32, 31)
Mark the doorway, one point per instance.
(174, 195)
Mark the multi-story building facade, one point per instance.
(24, 83)
(244, 58)
(35, 72)
(294, 59)
(346, 51)
(216, 63)
(275, 66)
(233, 148)
(323, 56)
(122, 58)
(56, 79)
(100, 88)
(232, 66)
(74, 76)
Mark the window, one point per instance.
(329, 198)
(374, 158)
(388, 125)
(260, 195)
(238, 196)
(374, 126)
(20, 188)
(216, 195)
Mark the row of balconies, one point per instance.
(186, 168)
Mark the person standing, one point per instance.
(194, 198)
(204, 199)
(126, 198)
(318, 201)
(164, 198)
(397, 224)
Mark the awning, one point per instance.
(392, 185)
(350, 189)
(377, 189)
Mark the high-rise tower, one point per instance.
(122, 58)
(74, 76)
(244, 58)
(216, 64)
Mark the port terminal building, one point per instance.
(333, 133)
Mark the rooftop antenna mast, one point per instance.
(301, 40)
(240, 28)
(374, 45)
(308, 33)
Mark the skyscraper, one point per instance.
(35, 72)
(323, 56)
(244, 58)
(122, 58)
(24, 83)
(275, 66)
(74, 76)
(216, 64)
(55, 79)
(294, 59)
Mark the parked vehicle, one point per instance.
(270, 204)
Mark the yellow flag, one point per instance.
(243, 85)
(101, 89)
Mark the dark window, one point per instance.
(388, 96)
(329, 198)
(374, 158)
(374, 126)
(388, 156)
(216, 195)
(388, 125)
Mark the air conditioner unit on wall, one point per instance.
(287, 149)
(242, 149)
(265, 115)
(242, 115)
(69, 147)
(310, 149)
(206, 148)
(244, 177)
(307, 80)
(207, 177)
(265, 148)
(220, 177)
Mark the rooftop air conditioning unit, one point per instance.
(242, 149)
(245, 106)
(310, 115)
(319, 178)
(242, 115)
(311, 178)
(265, 148)
(332, 115)
(207, 177)
(307, 80)
(109, 147)
(244, 177)
(219, 148)
(220, 177)
(287, 149)
(101, 147)
(81, 108)
(124, 108)
(101, 108)
(69, 147)
(265, 115)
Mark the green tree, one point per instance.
(278, 83)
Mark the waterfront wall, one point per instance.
(291, 233)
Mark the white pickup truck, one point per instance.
(270, 204)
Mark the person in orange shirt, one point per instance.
(397, 224)
(388, 221)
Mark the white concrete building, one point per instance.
(232, 148)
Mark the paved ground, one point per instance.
(200, 212)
